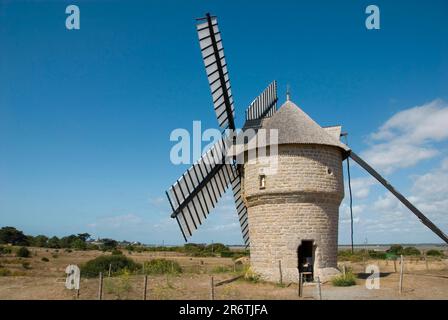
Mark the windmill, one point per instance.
(291, 216)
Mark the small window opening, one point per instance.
(329, 171)
(262, 181)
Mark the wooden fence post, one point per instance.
(300, 289)
(145, 286)
(100, 288)
(343, 269)
(280, 271)
(212, 288)
(426, 262)
(110, 269)
(319, 288)
(395, 265)
(400, 284)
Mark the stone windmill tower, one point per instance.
(293, 214)
(289, 215)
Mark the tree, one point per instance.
(13, 236)
(84, 236)
(411, 251)
(40, 241)
(53, 242)
(109, 244)
(78, 244)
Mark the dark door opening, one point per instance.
(305, 254)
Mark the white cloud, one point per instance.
(387, 218)
(157, 201)
(408, 137)
(360, 187)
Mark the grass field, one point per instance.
(36, 278)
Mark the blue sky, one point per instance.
(85, 115)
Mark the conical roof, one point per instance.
(296, 127)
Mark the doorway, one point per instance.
(305, 254)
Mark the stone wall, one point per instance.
(300, 202)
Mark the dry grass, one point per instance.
(46, 280)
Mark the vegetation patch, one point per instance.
(119, 286)
(117, 264)
(251, 276)
(161, 266)
(221, 269)
(434, 253)
(4, 272)
(347, 280)
(23, 252)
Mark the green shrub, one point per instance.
(396, 249)
(434, 253)
(346, 280)
(381, 255)
(116, 252)
(101, 264)
(161, 266)
(5, 250)
(23, 252)
(68, 250)
(347, 255)
(4, 272)
(26, 265)
(227, 254)
(45, 259)
(55, 256)
(411, 251)
(251, 276)
(120, 286)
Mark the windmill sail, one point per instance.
(399, 196)
(240, 206)
(216, 68)
(264, 106)
(196, 192)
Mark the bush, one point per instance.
(116, 252)
(434, 253)
(377, 254)
(108, 244)
(23, 252)
(396, 249)
(45, 259)
(161, 266)
(227, 254)
(4, 272)
(26, 265)
(347, 255)
(346, 280)
(55, 256)
(121, 286)
(5, 250)
(411, 251)
(251, 276)
(101, 264)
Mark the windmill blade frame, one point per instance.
(195, 194)
(215, 64)
(265, 105)
(399, 196)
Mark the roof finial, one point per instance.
(288, 94)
